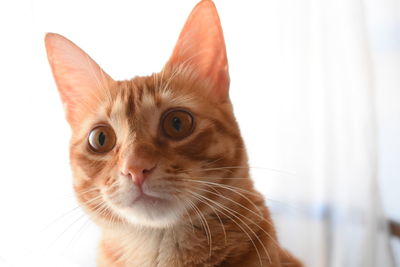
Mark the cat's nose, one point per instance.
(138, 169)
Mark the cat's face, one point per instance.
(144, 151)
(146, 145)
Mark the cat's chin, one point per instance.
(151, 211)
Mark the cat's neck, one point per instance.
(137, 246)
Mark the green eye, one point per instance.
(177, 123)
(102, 139)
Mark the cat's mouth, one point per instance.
(146, 198)
(151, 204)
(150, 209)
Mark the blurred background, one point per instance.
(316, 90)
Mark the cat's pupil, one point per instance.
(176, 124)
(102, 138)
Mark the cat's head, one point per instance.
(145, 151)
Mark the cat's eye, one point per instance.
(177, 123)
(102, 139)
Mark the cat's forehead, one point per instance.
(136, 106)
(142, 96)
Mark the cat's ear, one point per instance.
(80, 81)
(201, 47)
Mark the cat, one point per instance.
(159, 163)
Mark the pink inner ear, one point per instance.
(80, 81)
(201, 46)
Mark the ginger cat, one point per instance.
(159, 163)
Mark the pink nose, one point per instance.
(137, 168)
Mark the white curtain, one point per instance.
(328, 131)
(316, 90)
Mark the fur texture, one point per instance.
(163, 201)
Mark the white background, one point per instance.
(268, 53)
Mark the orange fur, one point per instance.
(206, 211)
